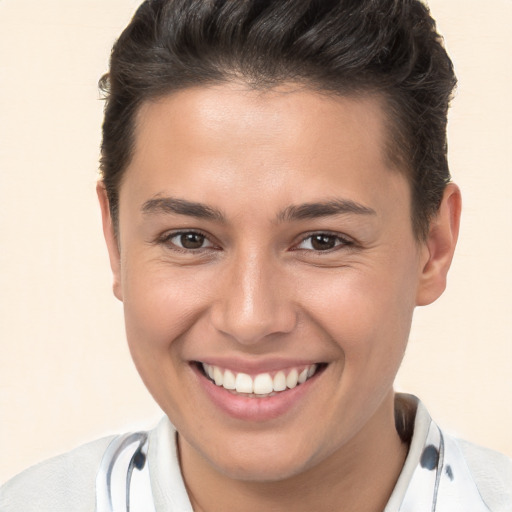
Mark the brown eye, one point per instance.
(191, 240)
(323, 242)
(187, 241)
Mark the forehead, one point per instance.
(296, 142)
(285, 114)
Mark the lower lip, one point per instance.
(251, 408)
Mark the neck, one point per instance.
(367, 466)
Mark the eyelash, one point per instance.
(340, 242)
(166, 239)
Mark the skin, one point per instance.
(257, 290)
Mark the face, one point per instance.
(268, 271)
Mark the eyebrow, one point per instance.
(181, 207)
(171, 205)
(323, 209)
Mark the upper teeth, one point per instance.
(262, 383)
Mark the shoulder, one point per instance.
(68, 482)
(492, 474)
(62, 483)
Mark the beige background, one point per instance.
(65, 374)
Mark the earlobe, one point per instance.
(109, 233)
(440, 246)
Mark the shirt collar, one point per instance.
(435, 476)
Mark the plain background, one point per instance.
(66, 376)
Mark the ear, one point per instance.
(439, 247)
(109, 233)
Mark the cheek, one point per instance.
(367, 312)
(160, 305)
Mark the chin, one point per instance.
(257, 471)
(263, 464)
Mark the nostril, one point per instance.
(250, 326)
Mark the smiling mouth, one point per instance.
(260, 385)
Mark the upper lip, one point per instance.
(240, 365)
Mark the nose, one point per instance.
(253, 300)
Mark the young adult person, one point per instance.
(276, 201)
